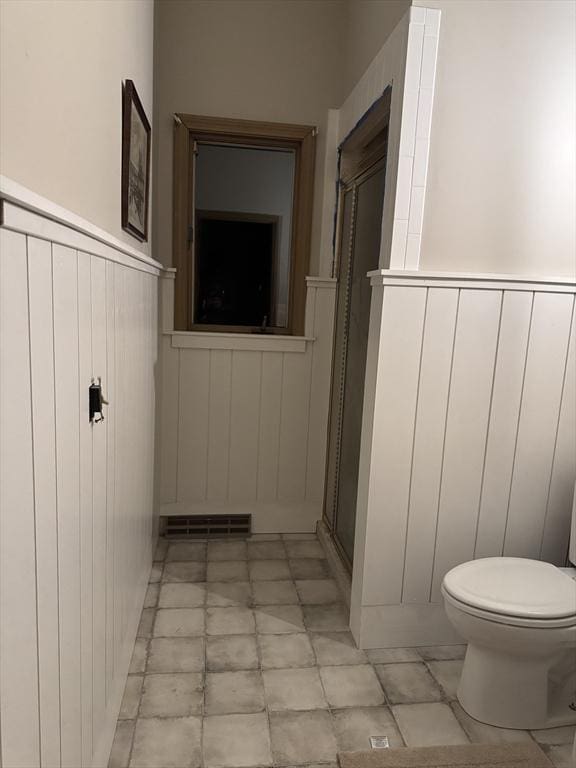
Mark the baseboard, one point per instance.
(267, 517)
(403, 626)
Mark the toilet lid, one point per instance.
(513, 586)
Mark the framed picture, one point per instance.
(135, 164)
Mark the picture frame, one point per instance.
(136, 141)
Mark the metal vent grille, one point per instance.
(205, 526)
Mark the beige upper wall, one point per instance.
(368, 24)
(501, 181)
(61, 70)
(277, 61)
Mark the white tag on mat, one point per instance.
(379, 742)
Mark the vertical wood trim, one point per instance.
(220, 393)
(470, 392)
(556, 531)
(431, 412)
(19, 698)
(193, 425)
(503, 422)
(402, 327)
(180, 224)
(244, 416)
(294, 427)
(67, 451)
(86, 487)
(269, 428)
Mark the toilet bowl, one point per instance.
(518, 617)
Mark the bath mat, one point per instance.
(462, 756)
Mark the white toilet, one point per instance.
(518, 617)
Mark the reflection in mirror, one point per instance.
(243, 232)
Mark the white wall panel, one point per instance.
(220, 390)
(538, 425)
(76, 521)
(472, 450)
(244, 427)
(244, 419)
(503, 425)
(65, 288)
(43, 430)
(435, 369)
(18, 624)
(469, 398)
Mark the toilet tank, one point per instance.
(572, 552)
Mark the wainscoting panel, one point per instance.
(77, 510)
(245, 420)
(472, 452)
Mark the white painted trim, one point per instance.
(403, 626)
(245, 342)
(472, 281)
(18, 198)
(267, 517)
(338, 568)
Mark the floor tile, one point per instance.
(355, 726)
(138, 661)
(563, 735)
(228, 594)
(299, 537)
(120, 753)
(173, 695)
(447, 674)
(225, 653)
(279, 619)
(131, 697)
(265, 537)
(298, 549)
(284, 651)
(182, 595)
(234, 693)
(318, 591)
(227, 570)
(326, 618)
(560, 756)
(236, 741)
(293, 689)
(187, 550)
(156, 573)
(189, 571)
(176, 654)
(442, 652)
(352, 686)
(161, 549)
(393, 655)
(168, 742)
(151, 597)
(274, 593)
(480, 733)
(408, 683)
(301, 738)
(226, 550)
(266, 550)
(428, 725)
(179, 622)
(334, 648)
(269, 570)
(146, 623)
(309, 568)
(229, 621)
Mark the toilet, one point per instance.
(518, 617)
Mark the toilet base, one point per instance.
(518, 692)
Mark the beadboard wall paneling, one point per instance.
(77, 509)
(244, 420)
(475, 378)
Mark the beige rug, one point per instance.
(468, 756)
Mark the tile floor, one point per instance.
(244, 659)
